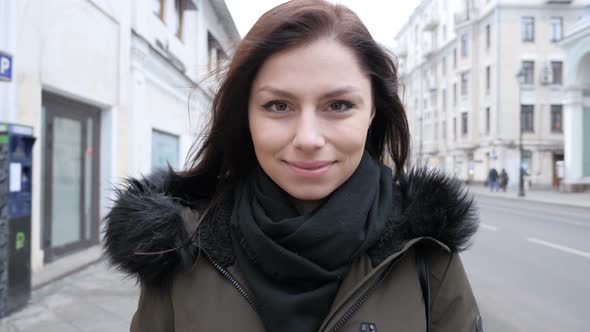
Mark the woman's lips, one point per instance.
(310, 169)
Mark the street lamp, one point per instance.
(520, 76)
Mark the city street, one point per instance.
(530, 266)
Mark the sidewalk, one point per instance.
(94, 299)
(580, 200)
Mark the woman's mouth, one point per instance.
(310, 169)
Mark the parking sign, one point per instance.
(5, 67)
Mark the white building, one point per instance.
(577, 105)
(459, 60)
(112, 89)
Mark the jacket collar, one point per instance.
(150, 217)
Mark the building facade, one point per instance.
(467, 110)
(112, 89)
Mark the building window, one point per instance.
(528, 29)
(464, 122)
(158, 8)
(164, 150)
(454, 94)
(527, 118)
(217, 57)
(444, 130)
(464, 45)
(464, 84)
(488, 37)
(528, 68)
(557, 72)
(177, 21)
(487, 120)
(488, 80)
(454, 129)
(454, 58)
(444, 65)
(435, 131)
(444, 100)
(444, 31)
(556, 116)
(434, 99)
(556, 28)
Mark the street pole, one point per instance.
(521, 170)
(520, 77)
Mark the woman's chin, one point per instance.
(309, 194)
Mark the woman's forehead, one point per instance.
(323, 65)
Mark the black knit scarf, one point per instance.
(293, 263)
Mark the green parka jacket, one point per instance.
(199, 288)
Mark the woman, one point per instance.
(287, 219)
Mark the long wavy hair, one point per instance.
(225, 154)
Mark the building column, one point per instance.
(137, 114)
(573, 134)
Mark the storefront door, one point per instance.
(70, 204)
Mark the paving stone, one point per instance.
(94, 299)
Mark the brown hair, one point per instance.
(226, 154)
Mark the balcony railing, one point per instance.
(431, 20)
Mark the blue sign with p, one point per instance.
(5, 67)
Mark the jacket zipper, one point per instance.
(234, 283)
(362, 299)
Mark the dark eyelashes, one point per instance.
(274, 102)
(349, 105)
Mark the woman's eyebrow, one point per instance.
(330, 94)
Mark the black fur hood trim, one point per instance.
(146, 230)
(428, 204)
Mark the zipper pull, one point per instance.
(368, 327)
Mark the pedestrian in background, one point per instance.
(287, 219)
(493, 179)
(503, 180)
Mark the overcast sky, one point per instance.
(384, 18)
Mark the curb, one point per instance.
(66, 266)
(65, 274)
(572, 205)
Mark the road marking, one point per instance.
(559, 247)
(488, 227)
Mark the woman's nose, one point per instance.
(308, 133)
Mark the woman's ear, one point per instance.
(373, 111)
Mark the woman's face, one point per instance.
(309, 112)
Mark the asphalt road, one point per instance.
(530, 266)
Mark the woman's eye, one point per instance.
(276, 106)
(340, 106)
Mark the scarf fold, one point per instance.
(293, 263)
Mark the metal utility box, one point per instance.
(16, 162)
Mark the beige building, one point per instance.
(112, 89)
(459, 61)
